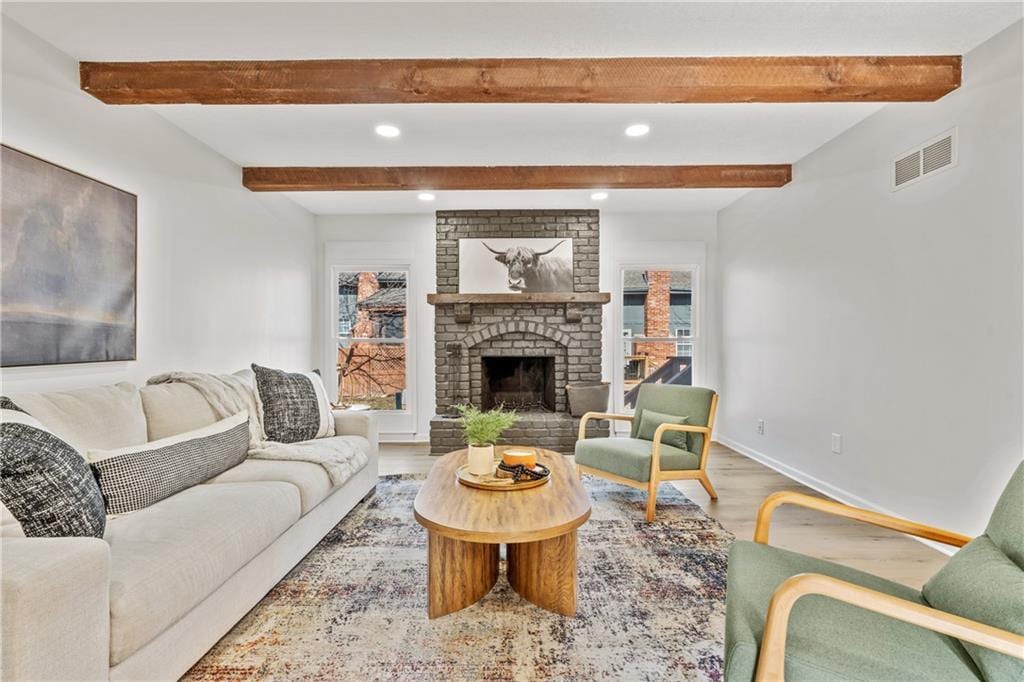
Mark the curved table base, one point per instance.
(460, 573)
(544, 572)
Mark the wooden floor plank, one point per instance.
(742, 484)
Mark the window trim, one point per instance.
(696, 319)
(378, 265)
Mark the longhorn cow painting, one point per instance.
(527, 266)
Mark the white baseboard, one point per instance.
(823, 487)
(403, 437)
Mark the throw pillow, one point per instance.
(295, 405)
(983, 584)
(44, 482)
(649, 423)
(135, 477)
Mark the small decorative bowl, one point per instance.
(526, 457)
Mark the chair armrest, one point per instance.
(55, 609)
(775, 500)
(357, 423)
(600, 415)
(660, 431)
(692, 428)
(771, 661)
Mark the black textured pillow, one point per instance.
(135, 477)
(44, 482)
(295, 405)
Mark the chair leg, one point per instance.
(652, 499)
(706, 482)
(579, 473)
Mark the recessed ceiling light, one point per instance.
(425, 196)
(638, 130)
(387, 130)
(599, 196)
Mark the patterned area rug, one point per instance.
(651, 604)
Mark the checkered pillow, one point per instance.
(295, 405)
(44, 482)
(135, 477)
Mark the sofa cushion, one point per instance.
(167, 558)
(828, 639)
(311, 479)
(631, 457)
(104, 417)
(44, 482)
(294, 405)
(983, 584)
(175, 408)
(141, 475)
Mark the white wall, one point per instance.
(355, 239)
(625, 238)
(891, 318)
(225, 276)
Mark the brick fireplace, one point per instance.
(516, 349)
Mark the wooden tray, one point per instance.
(492, 482)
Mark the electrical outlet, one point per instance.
(837, 443)
(760, 426)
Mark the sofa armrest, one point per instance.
(357, 423)
(54, 609)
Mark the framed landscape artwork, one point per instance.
(68, 279)
(501, 266)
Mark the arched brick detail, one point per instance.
(523, 326)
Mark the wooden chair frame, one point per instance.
(771, 661)
(658, 475)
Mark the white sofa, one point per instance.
(166, 582)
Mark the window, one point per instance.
(684, 348)
(658, 329)
(372, 339)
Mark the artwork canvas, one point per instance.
(501, 266)
(68, 278)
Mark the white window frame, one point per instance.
(390, 420)
(696, 310)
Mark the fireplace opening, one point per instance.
(526, 384)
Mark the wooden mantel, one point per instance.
(454, 299)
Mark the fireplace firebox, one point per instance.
(525, 384)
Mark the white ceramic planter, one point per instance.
(481, 460)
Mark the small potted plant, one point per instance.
(481, 431)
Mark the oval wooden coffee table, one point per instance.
(466, 527)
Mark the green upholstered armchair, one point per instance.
(668, 441)
(793, 617)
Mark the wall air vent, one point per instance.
(937, 154)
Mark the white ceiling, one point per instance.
(515, 134)
(623, 200)
(295, 30)
(511, 134)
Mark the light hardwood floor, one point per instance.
(742, 483)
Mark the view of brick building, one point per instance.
(371, 339)
(657, 327)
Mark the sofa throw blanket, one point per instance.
(339, 456)
(229, 394)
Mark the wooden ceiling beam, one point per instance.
(639, 80)
(379, 178)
